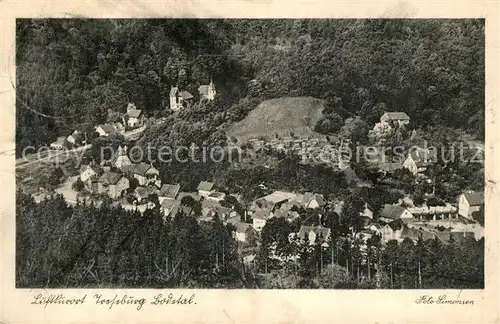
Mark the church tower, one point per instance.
(211, 90)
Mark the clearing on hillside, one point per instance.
(281, 116)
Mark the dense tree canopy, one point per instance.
(71, 71)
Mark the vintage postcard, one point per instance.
(249, 162)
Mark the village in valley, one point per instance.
(138, 186)
(319, 195)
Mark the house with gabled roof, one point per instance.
(205, 188)
(470, 202)
(259, 218)
(105, 130)
(207, 91)
(398, 117)
(394, 212)
(313, 233)
(89, 171)
(133, 117)
(392, 230)
(112, 184)
(168, 191)
(143, 194)
(316, 201)
(418, 159)
(120, 158)
(143, 172)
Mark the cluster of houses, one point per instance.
(131, 119)
(395, 222)
(311, 150)
(113, 179)
(179, 99)
(74, 139)
(429, 222)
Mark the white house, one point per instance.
(312, 233)
(470, 202)
(400, 118)
(121, 159)
(394, 212)
(418, 159)
(392, 230)
(207, 91)
(89, 171)
(205, 188)
(105, 129)
(133, 117)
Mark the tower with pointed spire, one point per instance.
(208, 91)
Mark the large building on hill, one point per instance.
(398, 117)
(208, 91)
(178, 99)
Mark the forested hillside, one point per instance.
(71, 72)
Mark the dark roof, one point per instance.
(186, 95)
(392, 211)
(397, 115)
(218, 195)
(142, 168)
(318, 230)
(110, 129)
(134, 113)
(410, 233)
(396, 224)
(320, 200)
(111, 178)
(169, 190)
(145, 192)
(241, 227)
(205, 186)
(474, 198)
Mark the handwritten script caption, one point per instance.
(116, 300)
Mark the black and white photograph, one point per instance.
(250, 153)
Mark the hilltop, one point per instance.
(279, 116)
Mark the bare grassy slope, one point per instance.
(280, 116)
